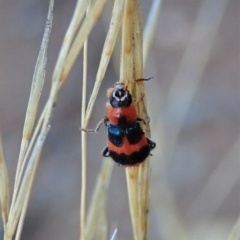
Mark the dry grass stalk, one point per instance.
(83, 144)
(65, 59)
(4, 188)
(86, 27)
(143, 175)
(32, 150)
(127, 74)
(84, 140)
(35, 93)
(31, 146)
(25, 186)
(132, 68)
(101, 224)
(99, 194)
(149, 30)
(96, 215)
(24, 179)
(114, 234)
(24, 208)
(109, 44)
(235, 234)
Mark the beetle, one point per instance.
(127, 144)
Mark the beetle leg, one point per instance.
(106, 121)
(96, 129)
(151, 144)
(142, 120)
(105, 152)
(143, 79)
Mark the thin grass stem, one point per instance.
(114, 234)
(83, 142)
(81, 36)
(25, 186)
(99, 192)
(150, 28)
(116, 21)
(235, 233)
(25, 204)
(4, 188)
(35, 93)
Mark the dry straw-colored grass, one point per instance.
(126, 14)
(126, 19)
(235, 234)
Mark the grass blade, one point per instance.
(4, 187)
(35, 93)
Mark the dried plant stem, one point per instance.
(96, 224)
(32, 142)
(83, 145)
(29, 149)
(100, 192)
(126, 70)
(25, 204)
(4, 188)
(24, 179)
(114, 234)
(31, 152)
(84, 31)
(25, 186)
(150, 28)
(132, 176)
(79, 12)
(235, 234)
(36, 89)
(132, 68)
(58, 75)
(109, 44)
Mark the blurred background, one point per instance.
(193, 102)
